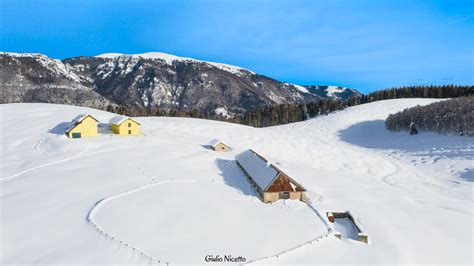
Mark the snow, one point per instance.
(21, 54)
(259, 169)
(223, 112)
(346, 228)
(78, 119)
(229, 68)
(53, 65)
(169, 59)
(332, 90)
(301, 88)
(170, 199)
(119, 119)
(151, 55)
(214, 142)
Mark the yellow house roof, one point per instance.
(117, 120)
(77, 120)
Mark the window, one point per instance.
(284, 195)
(129, 132)
(129, 124)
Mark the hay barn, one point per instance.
(270, 181)
(219, 145)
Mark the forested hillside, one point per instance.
(289, 113)
(450, 116)
(442, 91)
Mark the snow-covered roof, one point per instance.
(214, 142)
(119, 119)
(78, 119)
(259, 169)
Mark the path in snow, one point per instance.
(412, 194)
(100, 204)
(79, 155)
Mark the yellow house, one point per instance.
(123, 125)
(82, 126)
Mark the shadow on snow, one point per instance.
(206, 146)
(60, 129)
(374, 135)
(234, 177)
(467, 175)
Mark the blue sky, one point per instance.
(361, 44)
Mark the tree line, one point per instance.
(290, 113)
(450, 116)
(262, 117)
(431, 91)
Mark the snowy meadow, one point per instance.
(165, 197)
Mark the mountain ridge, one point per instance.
(148, 80)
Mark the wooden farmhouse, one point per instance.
(123, 125)
(219, 145)
(270, 181)
(82, 126)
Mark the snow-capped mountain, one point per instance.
(149, 80)
(335, 92)
(38, 78)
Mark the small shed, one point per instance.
(270, 181)
(346, 223)
(83, 125)
(219, 145)
(124, 125)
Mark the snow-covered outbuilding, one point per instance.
(219, 145)
(124, 125)
(270, 181)
(348, 223)
(83, 125)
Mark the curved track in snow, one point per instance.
(307, 243)
(102, 202)
(99, 204)
(78, 155)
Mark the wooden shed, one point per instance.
(219, 145)
(83, 125)
(271, 182)
(124, 125)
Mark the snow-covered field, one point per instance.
(166, 197)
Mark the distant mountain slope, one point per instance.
(335, 92)
(149, 80)
(38, 78)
